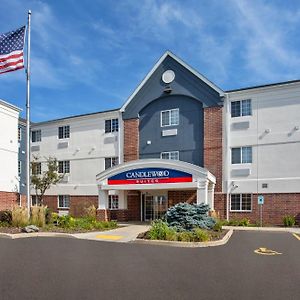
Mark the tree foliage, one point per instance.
(185, 216)
(42, 182)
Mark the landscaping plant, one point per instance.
(19, 216)
(38, 215)
(289, 221)
(185, 216)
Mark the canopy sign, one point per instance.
(150, 176)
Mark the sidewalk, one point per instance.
(123, 234)
(274, 229)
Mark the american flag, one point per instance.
(11, 50)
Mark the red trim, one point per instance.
(149, 180)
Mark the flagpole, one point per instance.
(28, 117)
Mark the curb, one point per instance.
(269, 229)
(36, 234)
(221, 242)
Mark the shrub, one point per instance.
(201, 235)
(244, 222)
(90, 212)
(38, 215)
(67, 222)
(48, 216)
(160, 230)
(19, 217)
(185, 216)
(289, 221)
(6, 217)
(218, 226)
(185, 236)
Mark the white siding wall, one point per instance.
(86, 149)
(8, 148)
(276, 155)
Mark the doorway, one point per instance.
(154, 206)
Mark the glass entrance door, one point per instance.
(154, 206)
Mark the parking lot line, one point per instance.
(296, 236)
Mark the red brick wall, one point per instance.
(175, 197)
(275, 207)
(8, 200)
(213, 143)
(131, 140)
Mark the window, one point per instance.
(19, 167)
(173, 155)
(111, 125)
(63, 201)
(169, 117)
(241, 155)
(110, 162)
(64, 132)
(19, 134)
(241, 108)
(240, 202)
(34, 200)
(36, 136)
(36, 168)
(113, 201)
(64, 166)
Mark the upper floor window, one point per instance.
(36, 168)
(111, 125)
(241, 155)
(241, 108)
(169, 117)
(64, 166)
(113, 201)
(110, 162)
(240, 202)
(19, 133)
(36, 135)
(64, 132)
(173, 155)
(63, 201)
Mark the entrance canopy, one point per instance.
(158, 174)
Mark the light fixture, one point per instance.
(296, 128)
(148, 142)
(268, 130)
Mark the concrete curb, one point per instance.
(35, 234)
(221, 242)
(270, 229)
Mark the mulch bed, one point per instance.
(215, 236)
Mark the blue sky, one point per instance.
(89, 56)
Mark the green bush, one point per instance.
(160, 230)
(201, 235)
(244, 222)
(218, 226)
(289, 221)
(6, 217)
(48, 216)
(185, 216)
(185, 236)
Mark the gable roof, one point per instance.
(181, 62)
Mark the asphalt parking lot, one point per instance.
(62, 268)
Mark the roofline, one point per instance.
(192, 70)
(264, 86)
(9, 105)
(75, 116)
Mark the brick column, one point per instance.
(213, 146)
(131, 139)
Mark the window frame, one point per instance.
(241, 203)
(19, 167)
(64, 135)
(169, 153)
(113, 125)
(241, 114)
(242, 156)
(116, 158)
(170, 117)
(111, 199)
(19, 134)
(38, 167)
(64, 163)
(36, 200)
(36, 135)
(63, 200)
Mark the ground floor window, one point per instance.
(240, 202)
(63, 201)
(113, 202)
(34, 200)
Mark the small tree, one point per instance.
(42, 182)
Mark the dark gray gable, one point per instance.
(185, 83)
